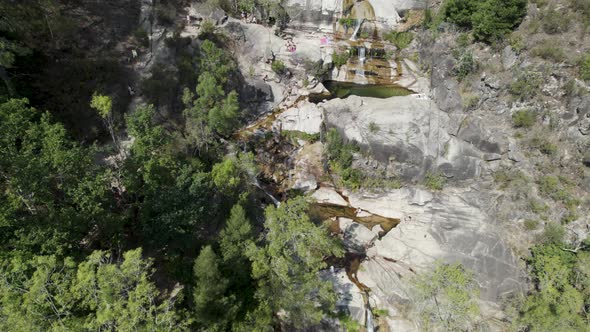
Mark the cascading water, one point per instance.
(362, 55)
(359, 23)
(370, 325)
(360, 70)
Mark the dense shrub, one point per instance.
(526, 85)
(585, 68)
(401, 40)
(459, 12)
(582, 7)
(531, 224)
(340, 59)
(524, 118)
(373, 127)
(347, 22)
(549, 51)
(554, 21)
(434, 181)
(496, 18)
(489, 19)
(278, 67)
(466, 64)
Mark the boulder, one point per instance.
(349, 298)
(328, 196)
(357, 238)
(306, 118)
(412, 136)
(509, 57)
(448, 226)
(307, 167)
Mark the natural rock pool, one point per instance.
(345, 89)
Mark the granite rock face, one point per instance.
(412, 136)
(448, 226)
(326, 11)
(306, 118)
(455, 225)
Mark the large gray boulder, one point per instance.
(357, 237)
(305, 118)
(411, 136)
(448, 226)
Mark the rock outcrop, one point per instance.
(411, 136)
(305, 118)
(450, 226)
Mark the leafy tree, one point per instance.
(104, 106)
(236, 236)
(216, 62)
(233, 172)
(151, 161)
(45, 293)
(459, 12)
(223, 118)
(489, 19)
(213, 108)
(287, 264)
(447, 298)
(52, 193)
(214, 309)
(496, 18)
(558, 303)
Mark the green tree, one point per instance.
(45, 293)
(556, 304)
(236, 236)
(104, 106)
(214, 108)
(214, 308)
(496, 18)
(51, 192)
(287, 264)
(459, 12)
(447, 298)
(223, 118)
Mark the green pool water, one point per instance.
(345, 89)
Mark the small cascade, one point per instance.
(362, 55)
(360, 69)
(370, 325)
(272, 198)
(359, 23)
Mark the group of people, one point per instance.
(245, 18)
(290, 45)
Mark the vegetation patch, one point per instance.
(548, 50)
(278, 67)
(524, 119)
(434, 181)
(490, 20)
(340, 58)
(527, 85)
(585, 68)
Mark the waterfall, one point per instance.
(362, 55)
(359, 23)
(360, 70)
(370, 327)
(272, 198)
